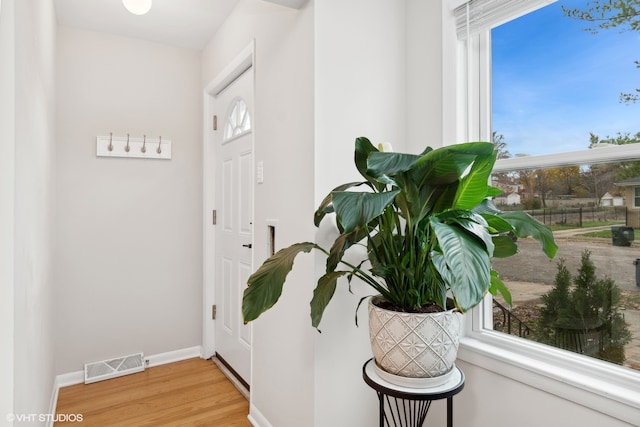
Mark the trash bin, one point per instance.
(621, 236)
(637, 264)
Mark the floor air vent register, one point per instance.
(105, 369)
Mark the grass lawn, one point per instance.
(601, 233)
(585, 224)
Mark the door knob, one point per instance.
(248, 245)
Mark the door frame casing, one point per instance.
(241, 63)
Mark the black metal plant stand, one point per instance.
(408, 407)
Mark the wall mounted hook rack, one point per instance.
(127, 146)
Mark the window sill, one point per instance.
(607, 388)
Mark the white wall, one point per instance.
(358, 80)
(7, 203)
(359, 91)
(424, 90)
(489, 399)
(32, 202)
(128, 259)
(282, 369)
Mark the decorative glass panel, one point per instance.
(238, 120)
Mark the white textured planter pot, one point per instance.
(414, 345)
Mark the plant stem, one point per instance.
(361, 274)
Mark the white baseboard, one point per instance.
(54, 402)
(256, 418)
(60, 381)
(72, 378)
(172, 356)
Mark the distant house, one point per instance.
(510, 199)
(632, 196)
(606, 200)
(609, 200)
(507, 185)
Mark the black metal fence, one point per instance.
(505, 321)
(578, 216)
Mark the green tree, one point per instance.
(555, 303)
(607, 14)
(501, 145)
(544, 184)
(505, 181)
(565, 179)
(527, 179)
(598, 179)
(552, 182)
(584, 318)
(621, 171)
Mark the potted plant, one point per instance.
(430, 231)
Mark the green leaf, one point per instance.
(473, 223)
(356, 210)
(359, 304)
(448, 164)
(265, 285)
(438, 291)
(415, 203)
(474, 185)
(498, 286)
(326, 206)
(497, 225)
(468, 263)
(363, 149)
(322, 294)
(383, 166)
(449, 177)
(525, 225)
(343, 242)
(493, 191)
(504, 246)
(486, 207)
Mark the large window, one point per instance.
(558, 101)
(556, 91)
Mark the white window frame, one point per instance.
(602, 386)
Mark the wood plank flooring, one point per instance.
(192, 392)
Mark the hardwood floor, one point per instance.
(192, 392)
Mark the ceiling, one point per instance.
(183, 23)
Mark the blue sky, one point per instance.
(554, 83)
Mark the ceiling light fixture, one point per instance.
(137, 7)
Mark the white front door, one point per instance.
(234, 224)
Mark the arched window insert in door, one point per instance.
(237, 120)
